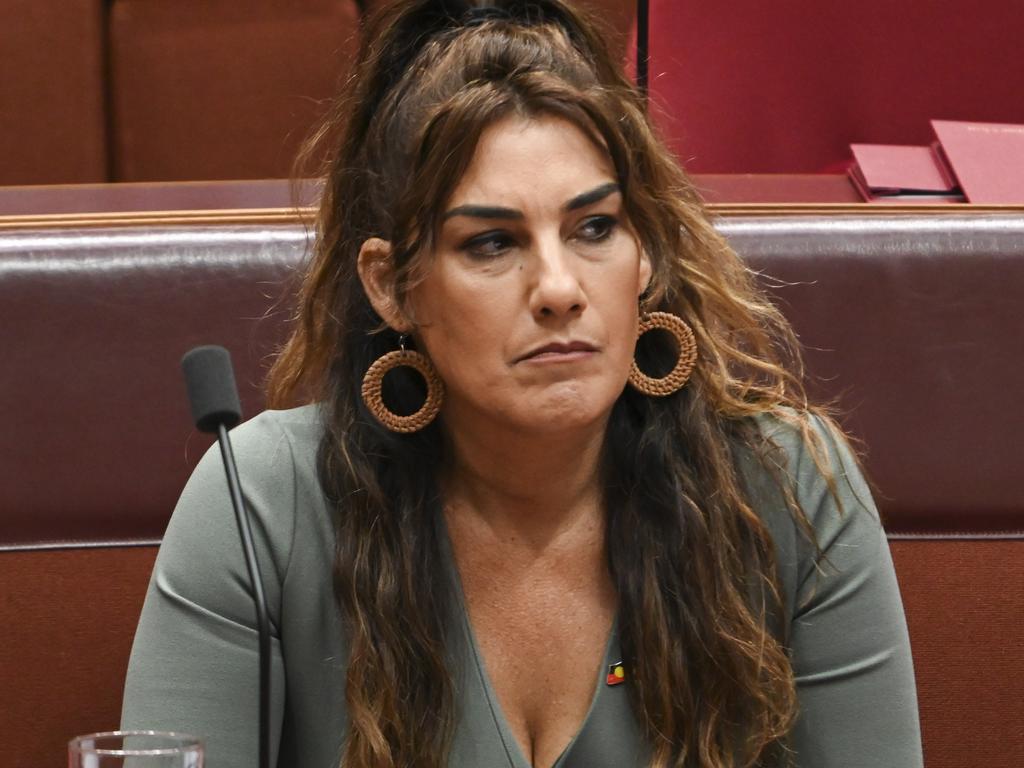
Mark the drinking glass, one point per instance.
(135, 749)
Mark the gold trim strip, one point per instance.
(286, 216)
(858, 209)
(225, 217)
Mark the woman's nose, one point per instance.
(556, 290)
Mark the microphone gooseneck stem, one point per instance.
(643, 55)
(258, 597)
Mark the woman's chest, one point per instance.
(538, 702)
(541, 645)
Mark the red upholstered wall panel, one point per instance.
(755, 87)
(73, 614)
(69, 619)
(964, 602)
(51, 92)
(216, 89)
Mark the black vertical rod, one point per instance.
(259, 599)
(643, 56)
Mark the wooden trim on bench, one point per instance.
(43, 546)
(250, 216)
(159, 219)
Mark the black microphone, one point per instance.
(215, 408)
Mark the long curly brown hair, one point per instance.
(693, 563)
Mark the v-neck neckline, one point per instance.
(513, 750)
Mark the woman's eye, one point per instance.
(596, 229)
(488, 245)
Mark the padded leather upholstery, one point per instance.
(98, 432)
(909, 319)
(915, 321)
(917, 325)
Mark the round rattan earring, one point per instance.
(678, 376)
(374, 380)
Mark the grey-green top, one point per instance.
(194, 663)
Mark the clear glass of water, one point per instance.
(135, 749)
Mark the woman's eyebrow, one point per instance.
(591, 197)
(483, 212)
(497, 212)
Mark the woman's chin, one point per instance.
(545, 410)
(567, 406)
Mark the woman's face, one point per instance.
(529, 309)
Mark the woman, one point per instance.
(521, 547)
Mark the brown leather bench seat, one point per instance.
(914, 321)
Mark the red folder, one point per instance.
(885, 171)
(987, 159)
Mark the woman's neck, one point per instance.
(525, 489)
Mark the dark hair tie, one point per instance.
(480, 15)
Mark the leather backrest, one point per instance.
(916, 325)
(913, 322)
(98, 438)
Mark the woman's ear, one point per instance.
(646, 272)
(377, 274)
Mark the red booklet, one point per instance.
(900, 173)
(987, 159)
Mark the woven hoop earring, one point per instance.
(678, 376)
(374, 380)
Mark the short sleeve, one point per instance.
(194, 663)
(847, 632)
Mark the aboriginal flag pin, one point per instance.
(616, 674)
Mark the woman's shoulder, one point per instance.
(809, 454)
(275, 453)
(802, 458)
(264, 436)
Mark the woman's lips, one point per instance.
(559, 352)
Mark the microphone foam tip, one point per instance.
(212, 393)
